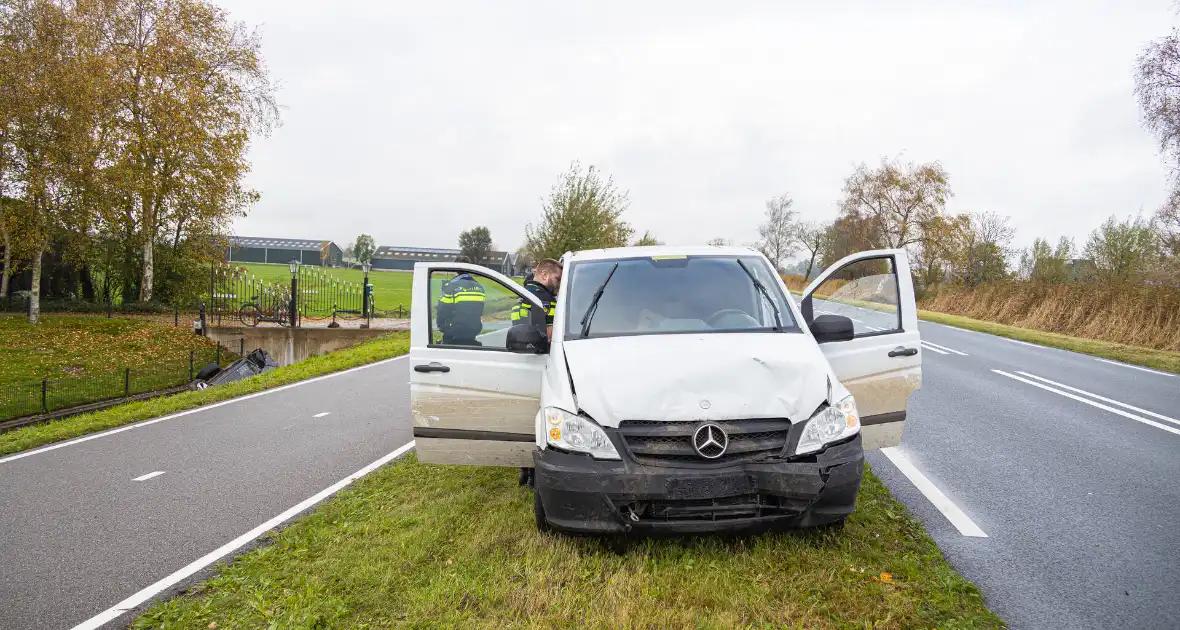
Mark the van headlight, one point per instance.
(831, 424)
(571, 432)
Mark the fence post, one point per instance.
(241, 347)
(44, 395)
(192, 355)
(126, 382)
(175, 316)
(218, 353)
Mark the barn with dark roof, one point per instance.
(403, 258)
(253, 249)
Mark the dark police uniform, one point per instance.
(460, 310)
(523, 311)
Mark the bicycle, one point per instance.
(251, 314)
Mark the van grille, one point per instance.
(746, 506)
(657, 442)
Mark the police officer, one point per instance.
(543, 283)
(460, 309)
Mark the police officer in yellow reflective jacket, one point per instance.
(544, 283)
(460, 309)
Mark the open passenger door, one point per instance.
(881, 364)
(474, 401)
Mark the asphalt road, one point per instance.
(78, 534)
(1079, 503)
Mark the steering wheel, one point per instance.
(728, 311)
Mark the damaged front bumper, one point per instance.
(585, 495)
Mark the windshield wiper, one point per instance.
(589, 315)
(778, 322)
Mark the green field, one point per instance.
(390, 288)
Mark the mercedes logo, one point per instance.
(710, 441)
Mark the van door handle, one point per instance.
(903, 352)
(434, 366)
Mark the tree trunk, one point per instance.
(87, 283)
(145, 283)
(7, 265)
(810, 263)
(35, 290)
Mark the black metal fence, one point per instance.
(53, 394)
(237, 297)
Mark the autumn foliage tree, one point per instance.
(126, 121)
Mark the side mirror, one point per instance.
(527, 338)
(832, 328)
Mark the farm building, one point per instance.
(252, 249)
(404, 258)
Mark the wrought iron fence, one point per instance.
(53, 394)
(237, 297)
(322, 295)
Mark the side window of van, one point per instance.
(864, 291)
(470, 310)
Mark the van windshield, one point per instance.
(681, 294)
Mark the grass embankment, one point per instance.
(64, 346)
(383, 347)
(86, 359)
(429, 546)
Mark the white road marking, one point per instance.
(951, 350)
(1102, 398)
(321, 414)
(1137, 367)
(1092, 403)
(932, 349)
(129, 427)
(114, 612)
(874, 328)
(961, 521)
(1023, 343)
(148, 476)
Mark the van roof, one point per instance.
(657, 250)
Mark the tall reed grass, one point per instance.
(1137, 315)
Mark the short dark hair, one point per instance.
(462, 259)
(547, 265)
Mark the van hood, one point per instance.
(697, 377)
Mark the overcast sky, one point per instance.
(413, 121)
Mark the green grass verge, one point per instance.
(383, 347)
(414, 545)
(1148, 357)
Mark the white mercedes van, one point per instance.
(683, 390)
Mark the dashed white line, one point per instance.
(321, 414)
(148, 476)
(114, 612)
(1136, 367)
(951, 350)
(1102, 398)
(874, 328)
(961, 521)
(933, 349)
(1091, 403)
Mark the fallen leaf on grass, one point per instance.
(885, 577)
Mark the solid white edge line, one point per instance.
(1102, 398)
(1091, 403)
(144, 595)
(148, 476)
(932, 349)
(321, 414)
(952, 350)
(1137, 367)
(961, 521)
(144, 423)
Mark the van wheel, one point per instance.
(539, 514)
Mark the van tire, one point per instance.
(539, 514)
